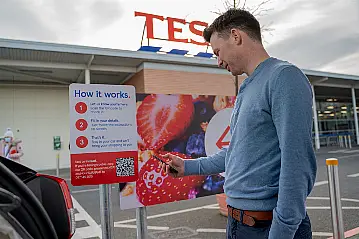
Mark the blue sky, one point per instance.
(317, 35)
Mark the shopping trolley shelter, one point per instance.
(34, 89)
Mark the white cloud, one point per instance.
(346, 65)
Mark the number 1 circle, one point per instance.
(81, 107)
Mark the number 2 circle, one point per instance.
(81, 124)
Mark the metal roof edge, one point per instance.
(89, 50)
(331, 74)
(145, 56)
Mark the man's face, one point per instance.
(227, 49)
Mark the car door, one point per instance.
(29, 213)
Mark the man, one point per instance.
(10, 147)
(270, 163)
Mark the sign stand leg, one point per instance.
(57, 164)
(141, 221)
(106, 211)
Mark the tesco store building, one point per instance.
(35, 79)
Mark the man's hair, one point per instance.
(234, 18)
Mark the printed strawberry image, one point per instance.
(154, 186)
(222, 102)
(162, 118)
(205, 98)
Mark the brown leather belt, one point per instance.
(250, 217)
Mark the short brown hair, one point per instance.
(234, 18)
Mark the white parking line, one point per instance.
(211, 230)
(318, 198)
(346, 151)
(96, 189)
(320, 183)
(337, 151)
(350, 200)
(353, 175)
(213, 207)
(79, 217)
(351, 151)
(122, 224)
(93, 230)
(327, 208)
(87, 190)
(320, 234)
(155, 228)
(168, 213)
(327, 198)
(348, 156)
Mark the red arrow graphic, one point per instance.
(220, 142)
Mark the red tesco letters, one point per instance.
(172, 29)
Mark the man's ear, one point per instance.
(237, 36)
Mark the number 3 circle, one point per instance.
(82, 142)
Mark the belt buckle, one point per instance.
(246, 219)
(236, 214)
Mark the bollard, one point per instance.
(340, 141)
(350, 141)
(335, 199)
(346, 141)
(141, 218)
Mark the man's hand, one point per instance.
(176, 162)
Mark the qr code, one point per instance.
(125, 167)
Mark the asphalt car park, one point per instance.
(200, 218)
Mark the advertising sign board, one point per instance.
(184, 125)
(103, 137)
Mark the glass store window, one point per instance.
(335, 118)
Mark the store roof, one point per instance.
(29, 62)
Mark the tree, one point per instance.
(259, 10)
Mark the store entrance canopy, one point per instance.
(37, 63)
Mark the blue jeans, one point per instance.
(238, 230)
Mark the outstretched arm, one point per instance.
(213, 164)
